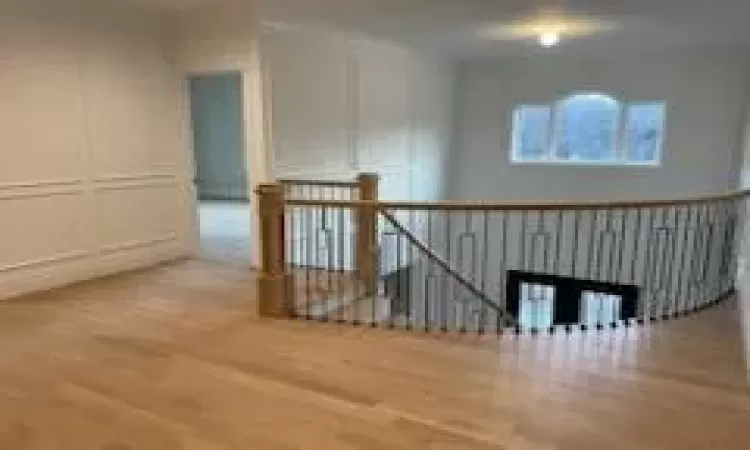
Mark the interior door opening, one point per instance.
(221, 172)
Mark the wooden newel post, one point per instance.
(367, 233)
(275, 286)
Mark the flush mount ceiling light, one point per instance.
(549, 38)
(548, 29)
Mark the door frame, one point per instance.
(255, 150)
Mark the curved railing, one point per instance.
(527, 267)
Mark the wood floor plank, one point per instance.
(175, 358)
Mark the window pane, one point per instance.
(600, 308)
(530, 132)
(587, 128)
(645, 128)
(536, 305)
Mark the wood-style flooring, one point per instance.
(174, 358)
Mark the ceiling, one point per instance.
(453, 26)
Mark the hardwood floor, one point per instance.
(172, 358)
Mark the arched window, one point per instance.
(589, 128)
(586, 127)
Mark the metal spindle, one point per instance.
(636, 245)
(600, 268)
(707, 264)
(374, 296)
(444, 306)
(682, 262)
(340, 267)
(533, 300)
(289, 244)
(307, 261)
(356, 315)
(592, 241)
(410, 273)
(619, 277)
(484, 263)
(669, 310)
(696, 270)
(329, 254)
(504, 262)
(574, 253)
(647, 269)
(430, 277)
(399, 276)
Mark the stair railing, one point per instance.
(492, 267)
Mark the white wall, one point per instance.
(218, 40)
(705, 97)
(92, 177)
(342, 105)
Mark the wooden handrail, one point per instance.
(442, 263)
(320, 183)
(515, 206)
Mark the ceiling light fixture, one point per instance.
(549, 38)
(547, 29)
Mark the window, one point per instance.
(644, 131)
(531, 131)
(600, 308)
(589, 128)
(537, 305)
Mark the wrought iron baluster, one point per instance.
(483, 285)
(592, 242)
(647, 269)
(444, 306)
(411, 272)
(636, 245)
(499, 324)
(682, 262)
(430, 275)
(600, 267)
(620, 276)
(341, 273)
(308, 261)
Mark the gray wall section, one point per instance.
(216, 106)
(704, 93)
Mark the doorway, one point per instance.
(221, 175)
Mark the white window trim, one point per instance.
(549, 157)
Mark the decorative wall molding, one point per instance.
(139, 243)
(135, 181)
(135, 177)
(58, 258)
(48, 188)
(63, 182)
(42, 190)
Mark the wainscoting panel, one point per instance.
(128, 109)
(136, 213)
(41, 117)
(42, 227)
(93, 174)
